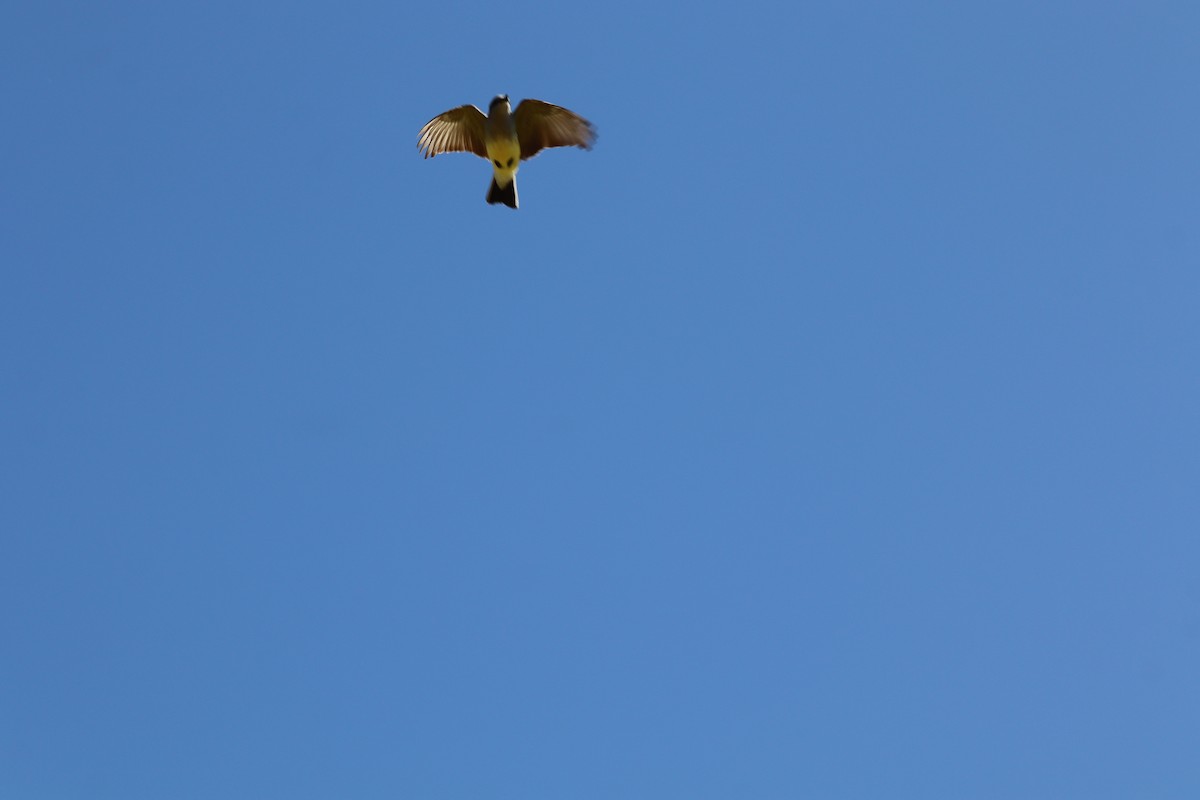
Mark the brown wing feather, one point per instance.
(540, 125)
(459, 130)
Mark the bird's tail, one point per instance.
(503, 194)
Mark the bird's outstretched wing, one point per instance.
(541, 125)
(459, 130)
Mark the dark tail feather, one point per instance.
(503, 194)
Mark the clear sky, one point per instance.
(830, 430)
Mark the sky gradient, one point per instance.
(829, 430)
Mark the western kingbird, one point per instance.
(505, 137)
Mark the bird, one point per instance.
(505, 137)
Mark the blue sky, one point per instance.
(829, 430)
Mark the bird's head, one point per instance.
(500, 98)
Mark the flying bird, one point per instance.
(505, 137)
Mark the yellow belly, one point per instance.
(505, 156)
